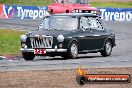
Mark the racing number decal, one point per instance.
(93, 23)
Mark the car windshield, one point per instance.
(59, 23)
(76, 1)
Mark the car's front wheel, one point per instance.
(28, 56)
(107, 49)
(72, 51)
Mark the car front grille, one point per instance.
(86, 11)
(41, 42)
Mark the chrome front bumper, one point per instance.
(47, 50)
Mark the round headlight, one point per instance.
(77, 11)
(60, 38)
(80, 11)
(23, 38)
(94, 12)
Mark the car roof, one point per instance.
(75, 14)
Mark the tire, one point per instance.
(72, 51)
(28, 56)
(107, 49)
(81, 80)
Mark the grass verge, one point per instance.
(9, 42)
(112, 4)
(28, 2)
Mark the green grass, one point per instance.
(112, 4)
(47, 2)
(27, 2)
(9, 42)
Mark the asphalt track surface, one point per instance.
(121, 55)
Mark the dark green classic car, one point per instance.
(68, 35)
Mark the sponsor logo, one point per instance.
(33, 12)
(10, 12)
(22, 12)
(2, 11)
(83, 77)
(25, 13)
(116, 15)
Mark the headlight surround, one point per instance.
(77, 11)
(60, 38)
(23, 38)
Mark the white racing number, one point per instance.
(93, 24)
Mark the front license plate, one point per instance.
(40, 51)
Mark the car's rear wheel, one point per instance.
(28, 56)
(107, 49)
(72, 51)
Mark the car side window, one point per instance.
(94, 23)
(84, 23)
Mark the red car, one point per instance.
(71, 6)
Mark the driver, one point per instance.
(59, 1)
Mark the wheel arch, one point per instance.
(69, 53)
(73, 40)
(109, 38)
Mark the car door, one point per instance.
(99, 34)
(85, 36)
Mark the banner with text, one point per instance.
(33, 12)
(2, 13)
(116, 14)
(23, 12)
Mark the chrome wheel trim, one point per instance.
(74, 50)
(108, 47)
